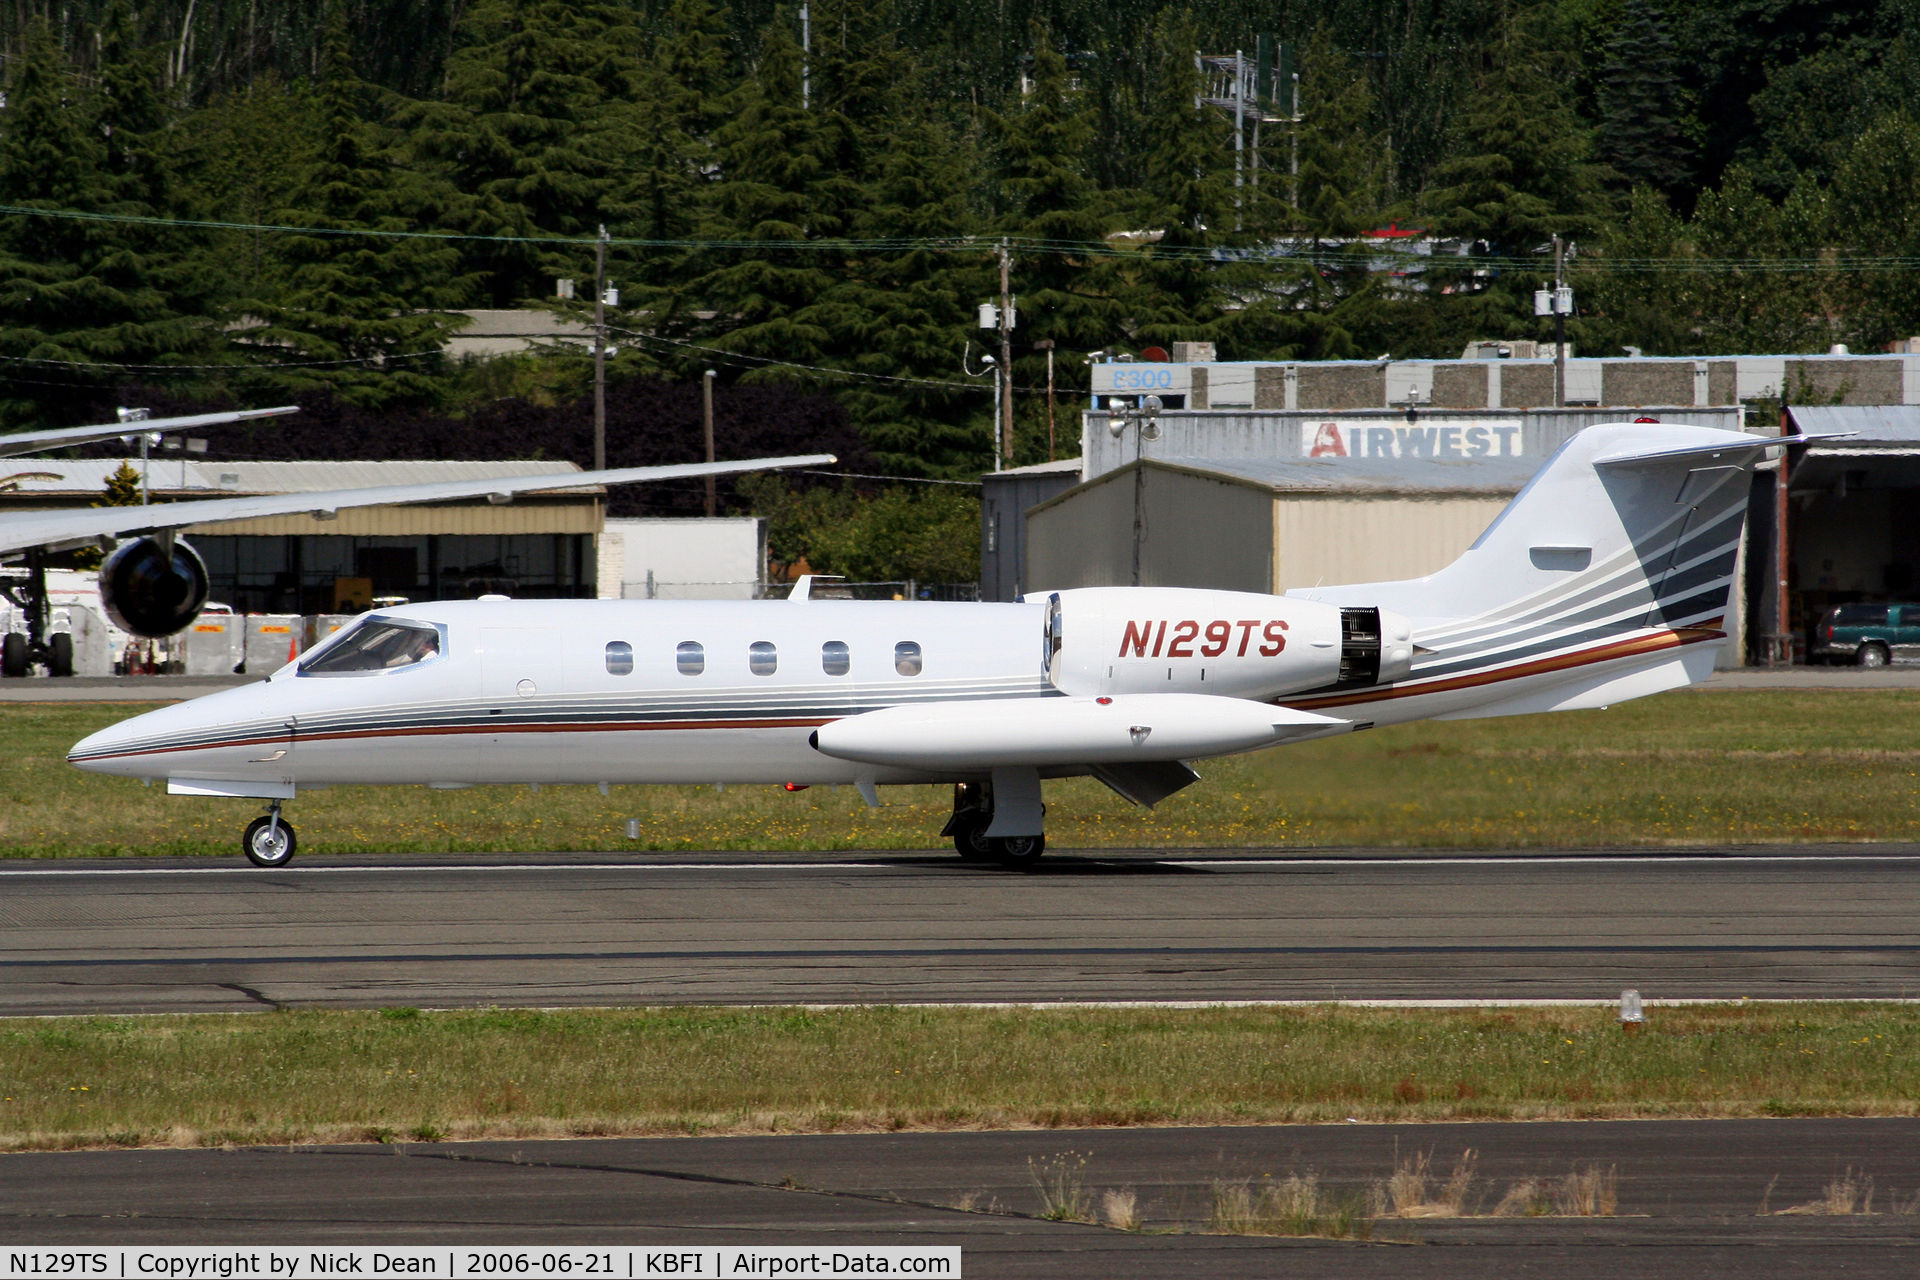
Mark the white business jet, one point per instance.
(1605, 579)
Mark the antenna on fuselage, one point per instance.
(803, 585)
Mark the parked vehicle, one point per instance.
(1868, 635)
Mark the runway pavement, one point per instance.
(148, 935)
(1696, 1199)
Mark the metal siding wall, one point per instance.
(1203, 533)
(1083, 541)
(1334, 540)
(413, 522)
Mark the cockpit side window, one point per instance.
(377, 645)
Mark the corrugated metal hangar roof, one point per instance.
(1872, 424)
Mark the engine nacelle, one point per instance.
(150, 591)
(1113, 640)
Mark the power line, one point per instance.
(1314, 257)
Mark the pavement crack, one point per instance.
(683, 1175)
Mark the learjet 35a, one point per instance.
(1605, 579)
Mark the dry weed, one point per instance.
(1294, 1206)
(1061, 1182)
(1846, 1195)
(1405, 1193)
(1119, 1208)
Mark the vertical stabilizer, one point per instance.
(1627, 528)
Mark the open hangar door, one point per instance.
(1852, 520)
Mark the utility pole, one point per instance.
(806, 58)
(1006, 352)
(1045, 344)
(1559, 324)
(707, 417)
(600, 350)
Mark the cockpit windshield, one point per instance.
(378, 644)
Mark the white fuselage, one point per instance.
(525, 692)
(633, 691)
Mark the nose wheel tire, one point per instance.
(1018, 851)
(266, 848)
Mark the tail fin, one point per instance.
(1626, 527)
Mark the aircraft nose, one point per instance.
(144, 746)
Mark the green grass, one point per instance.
(1680, 768)
(400, 1074)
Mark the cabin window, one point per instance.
(378, 644)
(906, 658)
(835, 657)
(690, 657)
(762, 660)
(619, 658)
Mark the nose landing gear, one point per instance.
(972, 815)
(269, 842)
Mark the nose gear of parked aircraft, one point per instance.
(269, 842)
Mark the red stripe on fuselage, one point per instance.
(1539, 666)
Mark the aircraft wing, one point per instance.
(20, 442)
(72, 527)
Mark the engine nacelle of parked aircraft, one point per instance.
(150, 589)
(1113, 640)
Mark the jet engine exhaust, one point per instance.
(149, 591)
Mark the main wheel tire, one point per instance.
(970, 841)
(1871, 655)
(60, 657)
(13, 655)
(1018, 851)
(263, 850)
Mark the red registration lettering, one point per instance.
(1272, 632)
(1183, 633)
(1159, 638)
(1137, 637)
(1246, 626)
(1218, 633)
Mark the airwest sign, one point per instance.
(1451, 438)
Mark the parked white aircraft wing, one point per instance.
(71, 527)
(19, 442)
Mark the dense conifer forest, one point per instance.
(207, 202)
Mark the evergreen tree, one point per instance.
(1340, 191)
(80, 301)
(1067, 293)
(1173, 293)
(356, 314)
(667, 156)
(527, 132)
(1640, 127)
(775, 165)
(1520, 171)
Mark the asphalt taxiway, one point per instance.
(1700, 1199)
(145, 935)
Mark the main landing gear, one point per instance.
(269, 842)
(19, 653)
(972, 815)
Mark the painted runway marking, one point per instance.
(1025, 953)
(920, 858)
